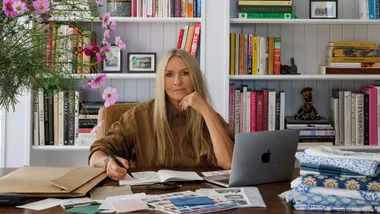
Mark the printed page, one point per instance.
(140, 178)
(106, 205)
(219, 172)
(244, 197)
(172, 175)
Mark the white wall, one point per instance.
(17, 133)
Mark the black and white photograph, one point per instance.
(113, 63)
(141, 62)
(323, 9)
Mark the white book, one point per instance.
(243, 113)
(347, 118)
(145, 8)
(271, 110)
(248, 112)
(282, 110)
(150, 8)
(262, 55)
(61, 126)
(41, 116)
(186, 29)
(341, 118)
(149, 177)
(335, 118)
(353, 118)
(362, 7)
(35, 118)
(76, 117)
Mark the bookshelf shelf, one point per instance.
(351, 148)
(144, 19)
(117, 76)
(303, 21)
(304, 77)
(61, 148)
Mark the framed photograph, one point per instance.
(141, 62)
(320, 9)
(113, 65)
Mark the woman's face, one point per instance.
(178, 82)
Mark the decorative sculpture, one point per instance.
(307, 111)
(286, 69)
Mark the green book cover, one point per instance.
(267, 15)
(264, 9)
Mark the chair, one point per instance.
(111, 115)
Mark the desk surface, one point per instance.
(269, 193)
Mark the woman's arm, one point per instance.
(221, 141)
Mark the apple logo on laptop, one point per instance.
(265, 157)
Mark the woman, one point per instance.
(177, 128)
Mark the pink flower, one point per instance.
(90, 49)
(110, 96)
(41, 6)
(8, 8)
(120, 43)
(98, 81)
(106, 34)
(100, 123)
(102, 54)
(99, 3)
(19, 7)
(106, 20)
(112, 26)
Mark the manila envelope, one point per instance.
(45, 181)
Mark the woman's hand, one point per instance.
(195, 101)
(114, 171)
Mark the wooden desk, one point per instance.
(269, 193)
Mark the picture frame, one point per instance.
(141, 62)
(114, 64)
(323, 9)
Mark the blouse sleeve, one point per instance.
(227, 128)
(119, 139)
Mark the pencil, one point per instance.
(118, 163)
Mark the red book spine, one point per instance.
(368, 71)
(231, 118)
(134, 8)
(180, 38)
(259, 111)
(265, 111)
(253, 112)
(277, 56)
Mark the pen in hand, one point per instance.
(118, 163)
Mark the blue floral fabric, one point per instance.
(363, 183)
(327, 170)
(361, 166)
(312, 207)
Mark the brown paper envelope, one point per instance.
(35, 180)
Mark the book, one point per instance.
(266, 3)
(150, 177)
(264, 9)
(354, 71)
(371, 45)
(267, 15)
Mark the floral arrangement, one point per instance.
(23, 43)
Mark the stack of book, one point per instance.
(256, 9)
(312, 132)
(352, 58)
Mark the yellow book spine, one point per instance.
(369, 45)
(232, 53)
(353, 59)
(255, 52)
(271, 55)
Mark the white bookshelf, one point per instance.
(305, 21)
(144, 19)
(116, 76)
(61, 148)
(351, 148)
(305, 77)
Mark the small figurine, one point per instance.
(307, 110)
(286, 69)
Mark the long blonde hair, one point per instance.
(199, 141)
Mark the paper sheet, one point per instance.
(124, 206)
(106, 205)
(43, 204)
(219, 172)
(100, 193)
(147, 177)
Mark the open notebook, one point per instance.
(150, 177)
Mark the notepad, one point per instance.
(149, 177)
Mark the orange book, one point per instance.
(271, 55)
(190, 9)
(189, 38)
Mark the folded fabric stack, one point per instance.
(336, 180)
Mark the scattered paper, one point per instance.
(77, 201)
(129, 205)
(106, 205)
(244, 197)
(100, 193)
(43, 204)
(220, 172)
(92, 209)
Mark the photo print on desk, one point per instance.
(323, 9)
(114, 62)
(141, 62)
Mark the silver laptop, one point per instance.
(260, 157)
